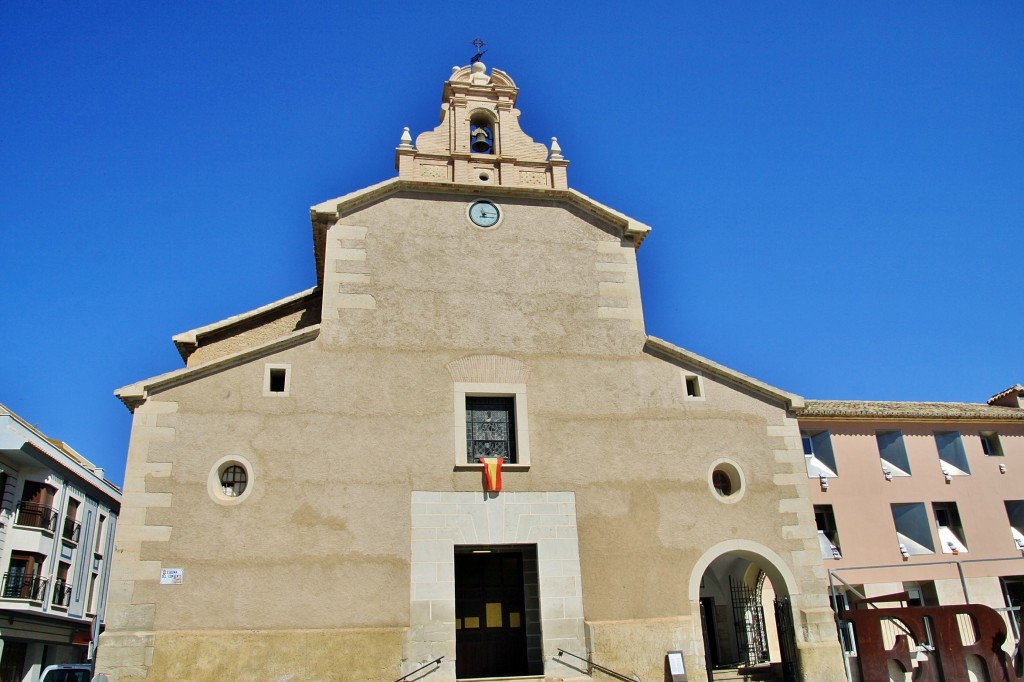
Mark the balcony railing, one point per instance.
(71, 530)
(21, 586)
(60, 593)
(37, 516)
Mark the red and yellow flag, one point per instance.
(492, 473)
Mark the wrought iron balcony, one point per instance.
(37, 516)
(17, 585)
(60, 593)
(71, 530)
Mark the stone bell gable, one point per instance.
(479, 140)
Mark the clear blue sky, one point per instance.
(836, 189)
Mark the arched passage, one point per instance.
(739, 587)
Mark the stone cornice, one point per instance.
(324, 214)
(136, 394)
(187, 342)
(657, 346)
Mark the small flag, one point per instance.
(492, 473)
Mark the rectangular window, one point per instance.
(490, 428)
(818, 455)
(277, 379)
(952, 456)
(893, 453)
(36, 506)
(693, 387)
(71, 527)
(1013, 593)
(913, 528)
(828, 536)
(60, 593)
(1015, 513)
(22, 579)
(491, 420)
(951, 532)
(990, 444)
(101, 524)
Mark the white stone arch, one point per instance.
(771, 563)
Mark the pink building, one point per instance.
(924, 498)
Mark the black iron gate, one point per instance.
(787, 639)
(748, 618)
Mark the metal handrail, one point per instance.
(18, 585)
(61, 593)
(436, 661)
(592, 666)
(71, 531)
(36, 515)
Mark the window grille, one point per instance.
(490, 428)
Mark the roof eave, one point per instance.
(136, 394)
(791, 401)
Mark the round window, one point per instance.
(230, 480)
(722, 484)
(726, 480)
(233, 480)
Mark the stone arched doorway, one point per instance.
(742, 591)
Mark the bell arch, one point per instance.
(483, 131)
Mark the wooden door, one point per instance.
(490, 636)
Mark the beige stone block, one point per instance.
(349, 254)
(343, 231)
(553, 588)
(144, 533)
(357, 301)
(351, 266)
(793, 506)
(137, 499)
(361, 279)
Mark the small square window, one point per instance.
(990, 444)
(693, 387)
(277, 380)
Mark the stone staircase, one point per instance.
(754, 673)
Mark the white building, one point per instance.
(57, 520)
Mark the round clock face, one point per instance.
(484, 214)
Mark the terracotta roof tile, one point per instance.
(866, 409)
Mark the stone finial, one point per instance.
(455, 69)
(406, 141)
(479, 76)
(556, 150)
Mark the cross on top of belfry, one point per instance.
(478, 44)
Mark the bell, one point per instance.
(481, 145)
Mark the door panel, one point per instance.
(490, 634)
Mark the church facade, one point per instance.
(459, 453)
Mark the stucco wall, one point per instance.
(322, 541)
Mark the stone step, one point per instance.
(756, 673)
